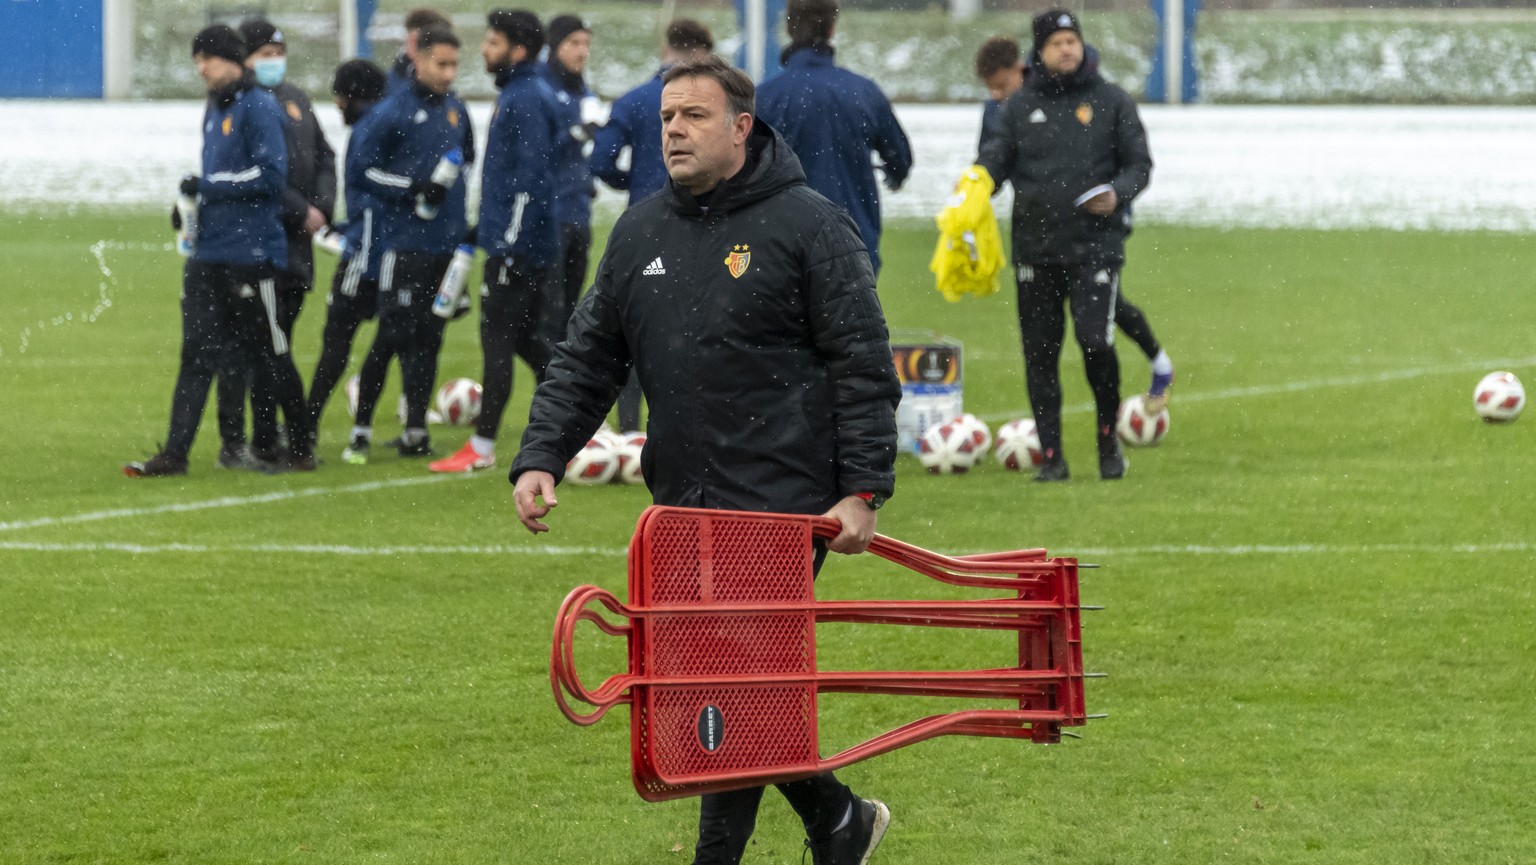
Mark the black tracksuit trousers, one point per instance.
(1046, 292)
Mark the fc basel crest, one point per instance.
(737, 261)
(228, 124)
(453, 117)
(294, 112)
(1085, 114)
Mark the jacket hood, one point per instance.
(1043, 81)
(771, 167)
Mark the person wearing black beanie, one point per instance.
(359, 86)
(219, 40)
(1073, 147)
(570, 46)
(228, 319)
(1047, 23)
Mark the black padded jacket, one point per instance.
(758, 339)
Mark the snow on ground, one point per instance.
(1440, 168)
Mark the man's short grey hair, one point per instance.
(740, 93)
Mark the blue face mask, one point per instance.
(270, 70)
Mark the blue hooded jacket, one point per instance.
(245, 172)
(405, 137)
(516, 187)
(635, 122)
(832, 119)
(573, 177)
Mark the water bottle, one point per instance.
(447, 301)
(446, 172)
(331, 240)
(186, 236)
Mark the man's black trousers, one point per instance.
(408, 329)
(1046, 293)
(513, 306)
(352, 301)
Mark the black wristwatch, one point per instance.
(875, 501)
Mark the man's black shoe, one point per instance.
(158, 466)
(291, 462)
(239, 456)
(1053, 468)
(1112, 464)
(854, 843)
(422, 448)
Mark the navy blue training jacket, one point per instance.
(635, 122)
(832, 119)
(516, 187)
(573, 177)
(405, 137)
(245, 172)
(363, 210)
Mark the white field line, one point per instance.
(210, 504)
(1233, 550)
(316, 549)
(1183, 398)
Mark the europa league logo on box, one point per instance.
(711, 728)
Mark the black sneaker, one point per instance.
(158, 466)
(356, 453)
(1053, 468)
(1112, 462)
(856, 842)
(291, 462)
(422, 448)
(239, 456)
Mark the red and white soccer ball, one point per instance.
(1499, 397)
(1018, 445)
(458, 401)
(949, 448)
(594, 464)
(629, 458)
(1138, 427)
(979, 432)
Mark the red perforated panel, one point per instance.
(701, 560)
(759, 727)
(684, 645)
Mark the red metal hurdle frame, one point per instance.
(721, 629)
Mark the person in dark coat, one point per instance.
(1073, 147)
(358, 86)
(834, 118)
(1000, 68)
(517, 227)
(308, 205)
(410, 139)
(229, 290)
(746, 303)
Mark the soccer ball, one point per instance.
(1139, 428)
(629, 458)
(458, 401)
(1499, 397)
(1018, 445)
(593, 465)
(948, 448)
(979, 432)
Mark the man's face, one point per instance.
(499, 53)
(265, 52)
(437, 67)
(1062, 53)
(1004, 82)
(574, 51)
(702, 143)
(217, 72)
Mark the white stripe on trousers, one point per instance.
(359, 263)
(1109, 326)
(387, 271)
(268, 288)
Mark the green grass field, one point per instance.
(1319, 629)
